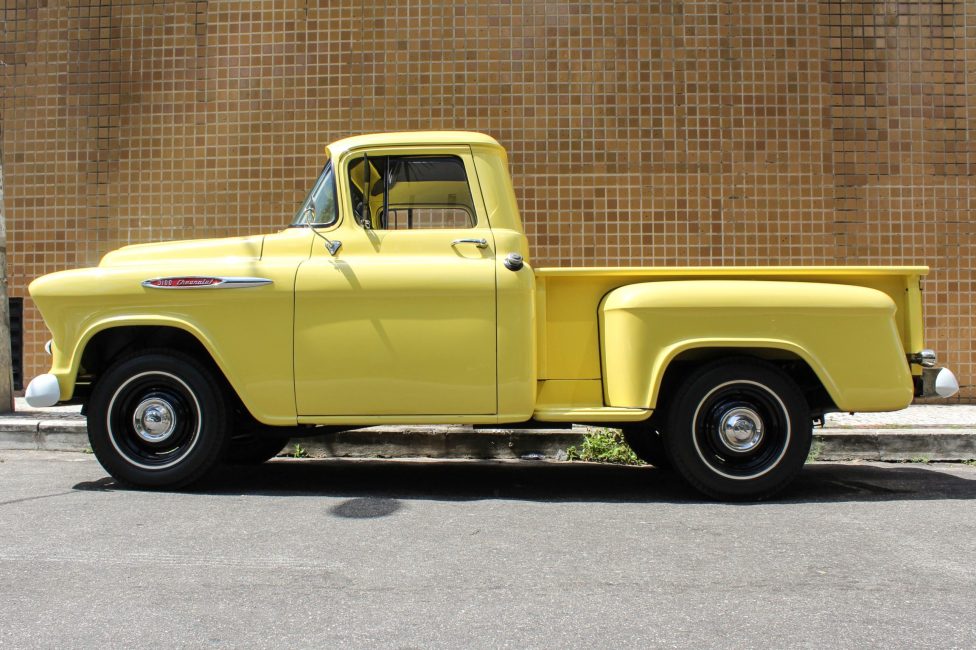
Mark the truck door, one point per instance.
(401, 321)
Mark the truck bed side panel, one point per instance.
(569, 329)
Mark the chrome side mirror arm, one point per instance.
(332, 245)
(308, 214)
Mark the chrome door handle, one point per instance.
(480, 243)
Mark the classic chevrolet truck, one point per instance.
(402, 293)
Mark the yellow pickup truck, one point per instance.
(402, 292)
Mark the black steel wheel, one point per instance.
(157, 420)
(739, 429)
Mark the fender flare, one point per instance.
(663, 361)
(68, 375)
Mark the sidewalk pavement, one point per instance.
(924, 432)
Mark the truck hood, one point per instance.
(245, 248)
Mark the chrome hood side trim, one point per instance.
(202, 282)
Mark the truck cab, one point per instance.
(420, 278)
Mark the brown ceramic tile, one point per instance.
(697, 133)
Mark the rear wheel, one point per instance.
(739, 429)
(157, 420)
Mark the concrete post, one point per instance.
(6, 362)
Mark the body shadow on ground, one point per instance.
(462, 480)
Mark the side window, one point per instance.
(411, 192)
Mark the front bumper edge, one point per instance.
(43, 390)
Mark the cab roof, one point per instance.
(340, 147)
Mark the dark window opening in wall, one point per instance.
(17, 341)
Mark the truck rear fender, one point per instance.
(846, 336)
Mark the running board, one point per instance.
(596, 414)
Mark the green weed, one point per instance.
(604, 446)
(299, 452)
(815, 450)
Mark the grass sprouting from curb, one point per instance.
(604, 446)
(815, 450)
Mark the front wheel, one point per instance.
(739, 429)
(157, 420)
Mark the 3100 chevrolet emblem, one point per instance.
(194, 282)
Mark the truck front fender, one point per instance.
(846, 334)
(263, 402)
(66, 363)
(246, 330)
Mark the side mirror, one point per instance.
(308, 216)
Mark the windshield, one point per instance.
(320, 205)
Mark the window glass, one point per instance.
(320, 207)
(424, 217)
(420, 192)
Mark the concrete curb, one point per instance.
(879, 444)
(48, 435)
(895, 444)
(443, 442)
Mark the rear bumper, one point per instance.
(936, 382)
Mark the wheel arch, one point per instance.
(811, 378)
(105, 342)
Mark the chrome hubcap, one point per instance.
(154, 420)
(741, 429)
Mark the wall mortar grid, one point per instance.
(700, 133)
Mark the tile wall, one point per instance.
(641, 132)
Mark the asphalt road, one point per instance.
(479, 554)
